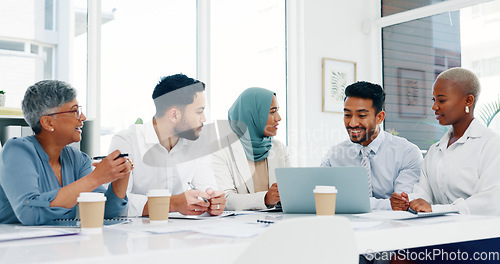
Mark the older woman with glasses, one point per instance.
(41, 176)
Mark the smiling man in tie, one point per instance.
(392, 162)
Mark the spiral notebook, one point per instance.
(76, 222)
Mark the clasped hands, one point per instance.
(401, 202)
(191, 202)
(113, 168)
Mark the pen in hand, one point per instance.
(412, 211)
(194, 188)
(102, 157)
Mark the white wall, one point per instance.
(332, 29)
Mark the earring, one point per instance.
(52, 130)
(467, 109)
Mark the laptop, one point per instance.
(296, 186)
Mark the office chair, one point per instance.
(315, 239)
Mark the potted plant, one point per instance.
(2, 98)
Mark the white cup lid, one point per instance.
(158, 193)
(325, 189)
(91, 197)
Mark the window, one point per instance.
(413, 54)
(416, 51)
(48, 62)
(248, 52)
(11, 45)
(49, 15)
(141, 43)
(390, 7)
(34, 48)
(31, 51)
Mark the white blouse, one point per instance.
(464, 176)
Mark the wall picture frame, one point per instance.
(411, 93)
(337, 75)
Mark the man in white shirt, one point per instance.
(393, 163)
(166, 152)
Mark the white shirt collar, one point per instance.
(474, 130)
(150, 137)
(375, 144)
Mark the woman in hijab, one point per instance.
(245, 167)
(41, 176)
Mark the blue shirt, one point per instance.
(28, 183)
(395, 165)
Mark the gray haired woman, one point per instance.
(41, 176)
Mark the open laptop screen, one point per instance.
(296, 186)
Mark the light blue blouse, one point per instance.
(28, 183)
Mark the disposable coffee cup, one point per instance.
(158, 204)
(91, 206)
(325, 197)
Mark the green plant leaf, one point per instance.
(488, 112)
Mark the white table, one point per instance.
(115, 245)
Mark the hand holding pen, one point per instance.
(199, 197)
(103, 157)
(111, 168)
(190, 202)
(420, 205)
(217, 200)
(122, 155)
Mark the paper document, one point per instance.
(36, 234)
(226, 229)
(356, 225)
(76, 222)
(155, 227)
(177, 215)
(165, 229)
(400, 215)
(231, 229)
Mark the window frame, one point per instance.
(407, 16)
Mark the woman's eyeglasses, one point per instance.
(77, 112)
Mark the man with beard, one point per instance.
(166, 152)
(392, 162)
